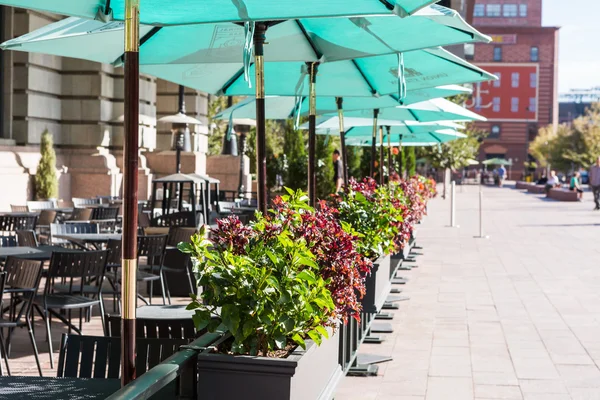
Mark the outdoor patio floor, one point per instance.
(515, 316)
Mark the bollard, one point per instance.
(453, 204)
(481, 235)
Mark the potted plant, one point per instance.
(271, 284)
(46, 183)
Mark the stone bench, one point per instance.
(536, 189)
(520, 185)
(562, 194)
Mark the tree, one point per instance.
(324, 166)
(570, 146)
(294, 149)
(411, 161)
(456, 154)
(354, 156)
(46, 183)
(365, 163)
(402, 161)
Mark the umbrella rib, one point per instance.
(435, 137)
(373, 91)
(318, 54)
(466, 65)
(231, 81)
(387, 4)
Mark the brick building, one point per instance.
(524, 56)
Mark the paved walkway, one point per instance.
(516, 316)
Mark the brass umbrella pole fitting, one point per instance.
(373, 143)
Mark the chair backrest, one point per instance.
(47, 217)
(181, 218)
(40, 205)
(154, 328)
(11, 223)
(180, 234)
(152, 246)
(100, 356)
(89, 357)
(23, 279)
(113, 247)
(82, 202)
(8, 240)
(71, 267)
(225, 207)
(69, 228)
(16, 208)
(100, 213)
(27, 238)
(81, 214)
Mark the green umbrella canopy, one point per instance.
(315, 39)
(358, 127)
(497, 161)
(160, 12)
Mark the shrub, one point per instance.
(46, 183)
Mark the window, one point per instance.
(493, 10)
(534, 54)
(497, 53)
(532, 104)
(479, 10)
(495, 132)
(496, 104)
(515, 79)
(509, 10)
(497, 81)
(514, 104)
(533, 80)
(469, 51)
(522, 10)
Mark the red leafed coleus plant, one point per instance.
(332, 242)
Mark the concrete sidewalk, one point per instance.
(515, 316)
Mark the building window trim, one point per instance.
(522, 10)
(496, 104)
(498, 82)
(498, 53)
(514, 79)
(495, 132)
(514, 104)
(479, 10)
(534, 54)
(493, 10)
(510, 10)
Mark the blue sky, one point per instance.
(579, 51)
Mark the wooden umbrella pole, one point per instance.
(261, 138)
(340, 101)
(312, 136)
(381, 158)
(374, 142)
(400, 172)
(130, 189)
(389, 143)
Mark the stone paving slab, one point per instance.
(515, 316)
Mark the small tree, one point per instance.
(46, 183)
(354, 156)
(411, 161)
(294, 148)
(324, 166)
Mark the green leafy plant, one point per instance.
(46, 182)
(262, 284)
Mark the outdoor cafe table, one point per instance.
(43, 253)
(163, 312)
(41, 388)
(81, 239)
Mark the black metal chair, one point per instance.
(113, 264)
(27, 238)
(78, 277)
(176, 262)
(70, 228)
(3, 353)
(9, 224)
(40, 205)
(21, 283)
(79, 202)
(99, 356)
(99, 213)
(152, 247)
(154, 328)
(81, 214)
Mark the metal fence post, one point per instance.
(453, 204)
(481, 235)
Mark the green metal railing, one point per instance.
(174, 378)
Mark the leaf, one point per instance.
(315, 336)
(186, 248)
(308, 262)
(280, 341)
(307, 276)
(213, 325)
(201, 319)
(298, 339)
(322, 331)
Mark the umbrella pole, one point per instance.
(401, 172)
(339, 101)
(389, 140)
(130, 186)
(312, 136)
(373, 142)
(261, 141)
(381, 159)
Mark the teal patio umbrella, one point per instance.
(406, 128)
(159, 12)
(316, 39)
(497, 161)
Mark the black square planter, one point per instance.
(378, 285)
(311, 374)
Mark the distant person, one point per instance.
(594, 182)
(552, 182)
(338, 171)
(543, 180)
(501, 175)
(575, 186)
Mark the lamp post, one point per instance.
(242, 127)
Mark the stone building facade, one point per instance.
(524, 55)
(80, 102)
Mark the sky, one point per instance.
(579, 50)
